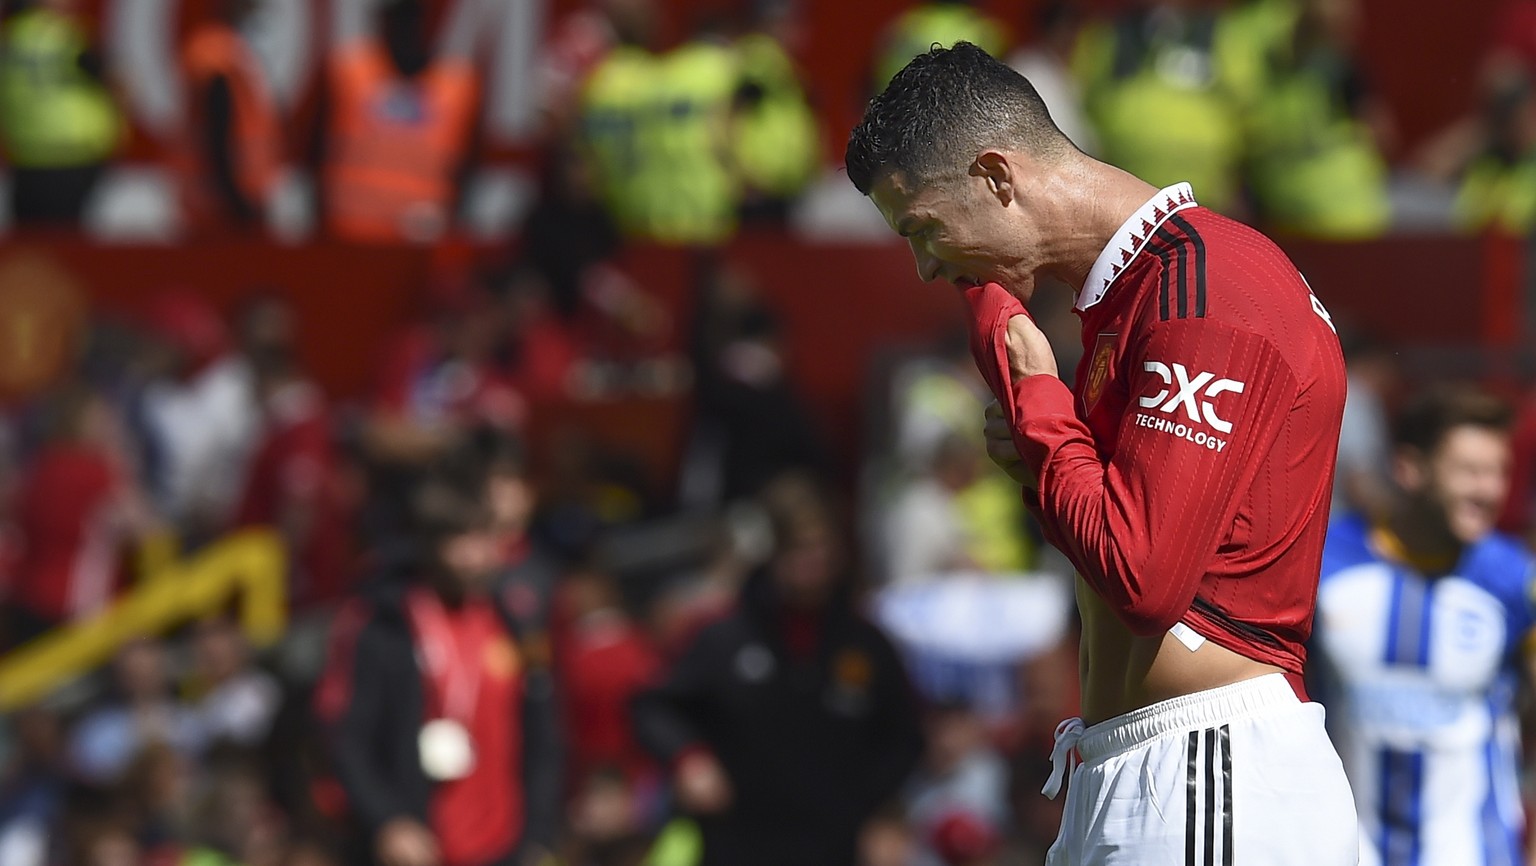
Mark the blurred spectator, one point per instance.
(955, 517)
(437, 698)
(400, 121)
(57, 117)
(297, 482)
(140, 712)
(775, 137)
(32, 787)
(199, 415)
(605, 661)
(1360, 482)
(733, 548)
(657, 131)
(959, 800)
(1046, 62)
(236, 700)
(438, 381)
(233, 823)
(568, 233)
(102, 841)
(158, 793)
(614, 100)
(576, 45)
(578, 325)
(230, 147)
(525, 578)
(587, 491)
(1423, 636)
(922, 519)
(938, 21)
(76, 511)
(750, 424)
(1317, 130)
(924, 536)
(1498, 182)
(1165, 84)
(790, 722)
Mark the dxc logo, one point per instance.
(1187, 390)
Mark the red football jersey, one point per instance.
(1188, 477)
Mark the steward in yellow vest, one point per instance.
(942, 21)
(58, 122)
(1315, 167)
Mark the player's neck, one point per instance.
(1096, 200)
(1419, 540)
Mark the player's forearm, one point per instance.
(1104, 529)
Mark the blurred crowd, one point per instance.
(1263, 105)
(507, 651)
(498, 656)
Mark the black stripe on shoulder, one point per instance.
(1164, 255)
(1170, 245)
(1199, 244)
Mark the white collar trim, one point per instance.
(1129, 240)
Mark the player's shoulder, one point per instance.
(1231, 271)
(1217, 275)
(1501, 564)
(1347, 545)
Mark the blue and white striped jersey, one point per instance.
(1419, 677)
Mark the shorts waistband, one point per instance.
(1186, 712)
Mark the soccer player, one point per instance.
(1187, 477)
(1421, 628)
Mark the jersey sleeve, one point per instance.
(1208, 402)
(1520, 607)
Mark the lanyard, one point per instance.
(452, 667)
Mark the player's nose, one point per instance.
(927, 266)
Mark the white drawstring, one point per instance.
(1063, 755)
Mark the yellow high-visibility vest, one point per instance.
(775, 139)
(936, 23)
(52, 114)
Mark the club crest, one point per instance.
(1098, 370)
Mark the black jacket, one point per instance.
(374, 738)
(812, 748)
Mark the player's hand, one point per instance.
(1000, 447)
(1029, 352)
(702, 786)
(406, 842)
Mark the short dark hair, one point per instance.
(943, 103)
(1424, 423)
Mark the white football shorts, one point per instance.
(1242, 775)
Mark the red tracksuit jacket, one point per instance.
(1188, 474)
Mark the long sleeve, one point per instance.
(374, 694)
(898, 734)
(1144, 529)
(1208, 400)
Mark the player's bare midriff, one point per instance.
(1121, 672)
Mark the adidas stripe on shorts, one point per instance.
(1243, 775)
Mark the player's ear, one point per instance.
(1408, 469)
(997, 172)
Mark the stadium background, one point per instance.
(614, 433)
